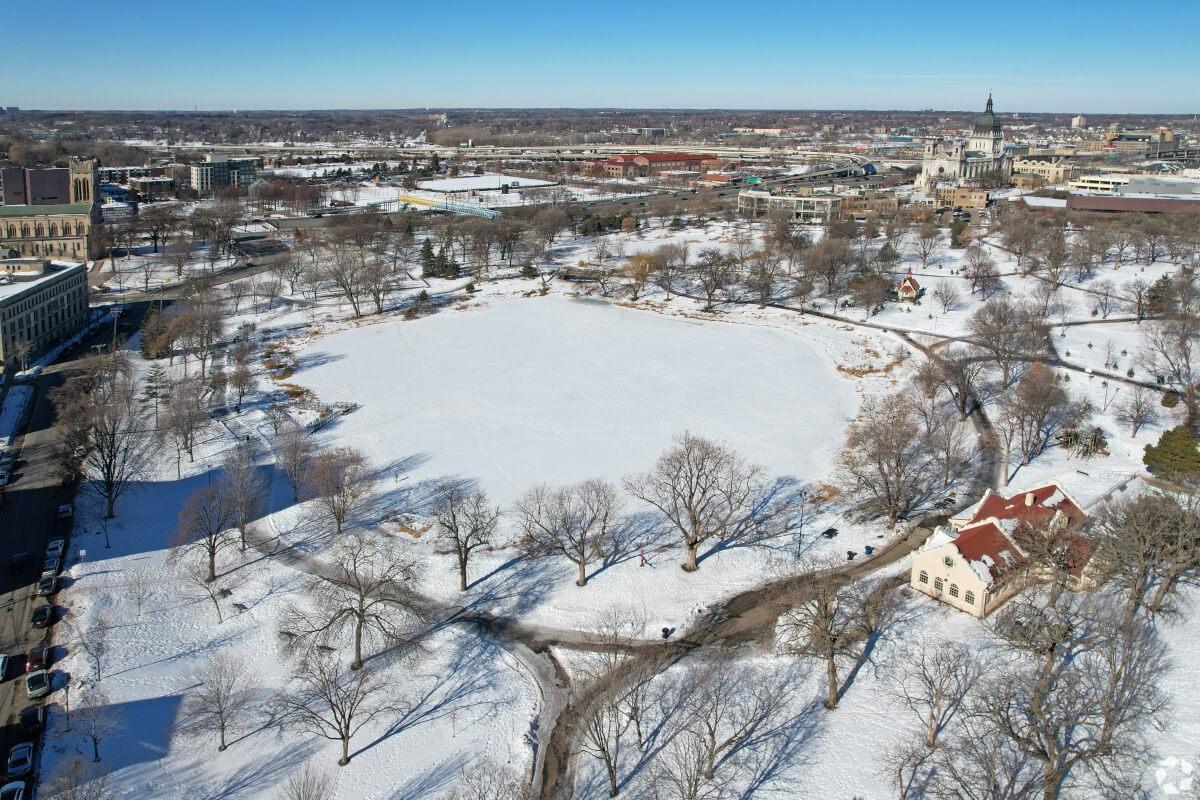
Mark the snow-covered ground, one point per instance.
(509, 389)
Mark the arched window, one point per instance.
(938, 583)
(53, 229)
(954, 590)
(25, 231)
(969, 597)
(40, 230)
(923, 577)
(79, 229)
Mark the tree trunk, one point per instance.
(358, 629)
(581, 579)
(613, 789)
(212, 566)
(831, 679)
(221, 728)
(345, 759)
(462, 574)
(96, 750)
(689, 564)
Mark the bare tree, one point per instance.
(73, 779)
(1138, 410)
(97, 720)
(140, 588)
(680, 773)
(93, 642)
(328, 703)
(573, 520)
(247, 487)
(1170, 352)
(1008, 331)
(241, 380)
(1036, 409)
(466, 521)
(194, 578)
(1148, 548)
(887, 462)
(715, 271)
(101, 416)
(186, 415)
(727, 705)
(342, 481)
(604, 726)
(824, 625)
(702, 487)
(307, 783)
(934, 681)
(204, 524)
(294, 453)
(489, 781)
(947, 296)
(365, 594)
(927, 240)
(961, 372)
(1078, 694)
(224, 692)
(829, 260)
(905, 763)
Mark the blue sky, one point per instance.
(1097, 56)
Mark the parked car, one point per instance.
(50, 566)
(38, 658)
(4, 477)
(43, 615)
(32, 718)
(20, 759)
(66, 511)
(13, 791)
(55, 548)
(47, 585)
(37, 684)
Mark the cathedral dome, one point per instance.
(987, 122)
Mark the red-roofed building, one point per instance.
(641, 165)
(1000, 546)
(1048, 505)
(908, 289)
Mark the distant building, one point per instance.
(41, 304)
(208, 176)
(1079, 121)
(800, 206)
(626, 166)
(980, 158)
(1051, 169)
(963, 197)
(63, 230)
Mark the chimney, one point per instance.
(1028, 499)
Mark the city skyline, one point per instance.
(871, 56)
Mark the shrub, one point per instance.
(1170, 399)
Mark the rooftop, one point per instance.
(46, 210)
(13, 284)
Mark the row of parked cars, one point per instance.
(37, 676)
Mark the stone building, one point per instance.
(968, 163)
(42, 303)
(41, 229)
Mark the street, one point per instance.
(28, 520)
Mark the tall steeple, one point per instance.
(988, 110)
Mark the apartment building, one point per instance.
(42, 303)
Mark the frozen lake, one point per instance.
(555, 390)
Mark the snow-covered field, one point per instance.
(510, 388)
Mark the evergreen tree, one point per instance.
(427, 259)
(1175, 457)
(157, 387)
